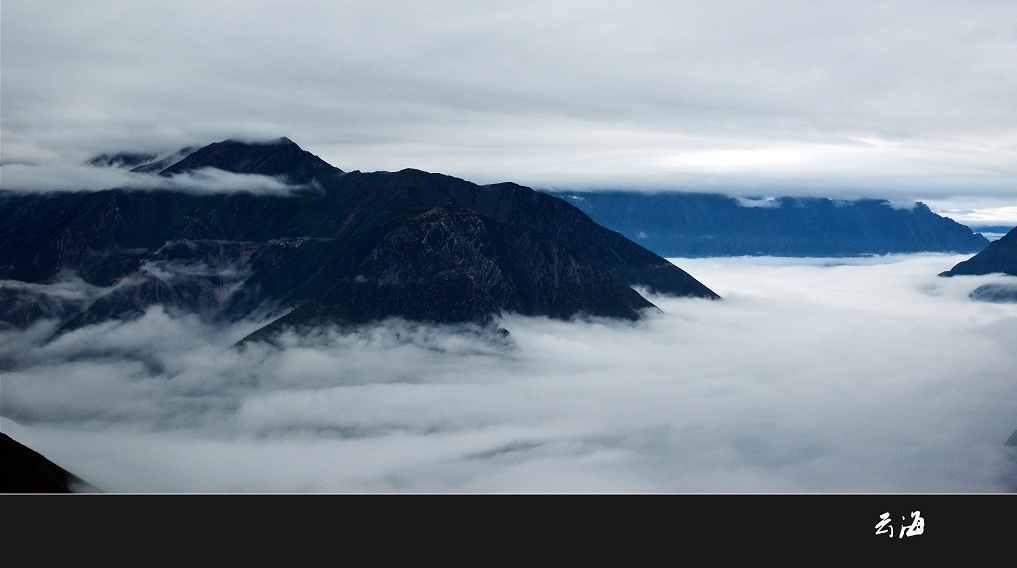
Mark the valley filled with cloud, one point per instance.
(811, 375)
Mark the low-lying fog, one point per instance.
(812, 375)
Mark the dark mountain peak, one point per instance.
(280, 157)
(1000, 256)
(412, 244)
(280, 141)
(448, 264)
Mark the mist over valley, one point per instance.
(550, 246)
(819, 375)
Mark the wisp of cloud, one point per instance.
(56, 177)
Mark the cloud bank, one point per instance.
(813, 375)
(903, 100)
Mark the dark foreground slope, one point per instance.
(693, 225)
(27, 471)
(338, 247)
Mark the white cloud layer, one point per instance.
(902, 100)
(812, 375)
(988, 216)
(66, 177)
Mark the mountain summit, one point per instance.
(276, 158)
(340, 248)
(999, 256)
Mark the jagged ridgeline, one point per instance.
(333, 248)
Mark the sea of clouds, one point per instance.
(812, 375)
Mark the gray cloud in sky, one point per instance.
(813, 375)
(910, 100)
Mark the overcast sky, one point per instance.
(812, 375)
(908, 100)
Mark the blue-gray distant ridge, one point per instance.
(702, 225)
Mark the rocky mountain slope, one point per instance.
(1000, 257)
(27, 471)
(336, 247)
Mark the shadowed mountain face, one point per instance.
(338, 248)
(27, 471)
(999, 256)
(693, 225)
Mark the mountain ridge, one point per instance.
(999, 256)
(309, 252)
(701, 224)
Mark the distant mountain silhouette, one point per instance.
(698, 224)
(996, 292)
(339, 247)
(991, 232)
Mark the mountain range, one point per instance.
(332, 247)
(700, 224)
